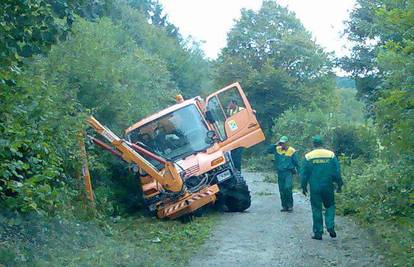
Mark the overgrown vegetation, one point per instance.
(379, 192)
(64, 60)
(109, 67)
(128, 241)
(69, 59)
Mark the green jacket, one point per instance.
(285, 160)
(321, 169)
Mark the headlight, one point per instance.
(217, 161)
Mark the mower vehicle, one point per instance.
(182, 154)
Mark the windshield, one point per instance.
(177, 134)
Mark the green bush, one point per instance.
(378, 193)
(354, 141)
(300, 124)
(343, 138)
(37, 146)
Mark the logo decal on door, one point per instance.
(233, 125)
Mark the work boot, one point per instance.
(290, 210)
(332, 233)
(317, 237)
(284, 210)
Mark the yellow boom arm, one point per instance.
(169, 178)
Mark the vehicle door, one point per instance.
(233, 118)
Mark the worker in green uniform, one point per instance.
(321, 170)
(286, 163)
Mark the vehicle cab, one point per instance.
(198, 135)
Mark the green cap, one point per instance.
(283, 139)
(317, 140)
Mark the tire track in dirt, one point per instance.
(263, 236)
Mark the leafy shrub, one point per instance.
(37, 146)
(301, 124)
(354, 141)
(7, 256)
(378, 193)
(107, 73)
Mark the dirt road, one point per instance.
(263, 236)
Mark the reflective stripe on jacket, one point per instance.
(234, 111)
(321, 169)
(285, 160)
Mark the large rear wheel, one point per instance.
(237, 199)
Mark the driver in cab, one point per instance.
(233, 107)
(166, 141)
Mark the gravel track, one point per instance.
(263, 236)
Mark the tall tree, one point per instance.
(181, 56)
(382, 61)
(276, 60)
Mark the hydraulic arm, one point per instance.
(168, 177)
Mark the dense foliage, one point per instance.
(345, 82)
(29, 28)
(382, 63)
(348, 136)
(62, 60)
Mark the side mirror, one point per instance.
(211, 137)
(209, 117)
(211, 134)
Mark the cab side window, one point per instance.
(232, 102)
(217, 112)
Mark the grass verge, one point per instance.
(136, 240)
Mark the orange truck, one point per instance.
(182, 154)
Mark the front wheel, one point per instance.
(237, 199)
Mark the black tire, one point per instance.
(237, 199)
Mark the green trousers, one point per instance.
(285, 181)
(327, 198)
